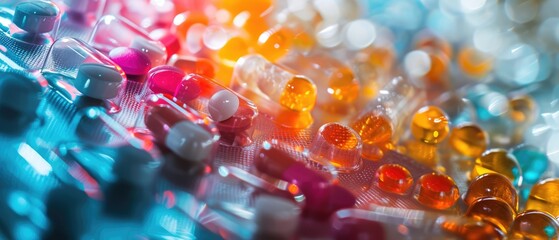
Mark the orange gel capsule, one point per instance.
(430, 125)
(492, 185)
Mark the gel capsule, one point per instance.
(494, 211)
(338, 144)
(534, 224)
(394, 178)
(498, 161)
(430, 125)
(544, 197)
(492, 185)
(469, 140)
(178, 133)
(436, 191)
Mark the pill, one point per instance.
(188, 89)
(132, 61)
(183, 137)
(164, 79)
(36, 17)
(223, 105)
(98, 81)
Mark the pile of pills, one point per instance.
(270, 115)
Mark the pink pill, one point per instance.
(188, 89)
(132, 61)
(164, 79)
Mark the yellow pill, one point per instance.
(544, 197)
(275, 43)
(534, 224)
(469, 140)
(498, 161)
(430, 125)
(299, 94)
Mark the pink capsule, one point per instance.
(164, 79)
(132, 61)
(182, 136)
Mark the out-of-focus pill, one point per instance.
(131, 60)
(223, 105)
(276, 217)
(180, 135)
(98, 81)
(36, 17)
(164, 79)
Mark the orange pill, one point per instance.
(394, 178)
(436, 191)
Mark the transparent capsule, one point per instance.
(233, 114)
(111, 32)
(76, 70)
(275, 90)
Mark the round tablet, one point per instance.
(131, 60)
(98, 81)
(36, 17)
(223, 105)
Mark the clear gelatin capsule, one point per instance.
(498, 161)
(181, 130)
(289, 98)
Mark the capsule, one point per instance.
(183, 137)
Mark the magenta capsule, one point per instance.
(232, 113)
(183, 132)
(322, 197)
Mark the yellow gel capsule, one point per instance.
(430, 125)
(469, 140)
(275, 43)
(544, 197)
(498, 161)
